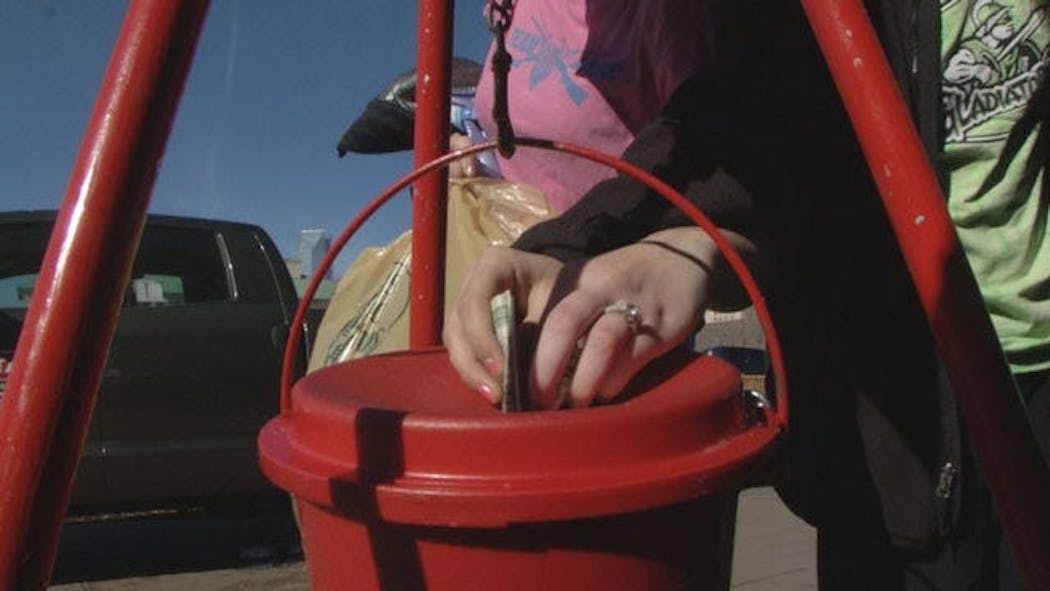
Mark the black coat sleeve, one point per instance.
(690, 146)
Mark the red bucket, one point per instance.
(406, 479)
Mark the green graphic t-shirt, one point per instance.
(995, 55)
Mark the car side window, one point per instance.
(178, 266)
(15, 290)
(22, 246)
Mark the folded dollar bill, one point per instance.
(504, 322)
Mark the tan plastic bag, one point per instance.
(368, 312)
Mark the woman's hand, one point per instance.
(468, 332)
(669, 277)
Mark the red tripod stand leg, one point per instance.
(992, 410)
(69, 325)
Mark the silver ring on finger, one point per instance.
(632, 314)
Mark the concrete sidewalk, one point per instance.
(774, 552)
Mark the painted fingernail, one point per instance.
(486, 391)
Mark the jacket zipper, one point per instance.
(946, 481)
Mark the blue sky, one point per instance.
(274, 85)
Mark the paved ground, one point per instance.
(774, 552)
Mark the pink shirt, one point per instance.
(591, 72)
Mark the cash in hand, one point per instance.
(504, 323)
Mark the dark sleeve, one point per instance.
(690, 147)
(910, 31)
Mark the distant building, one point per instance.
(313, 244)
(295, 268)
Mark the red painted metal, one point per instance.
(430, 443)
(993, 412)
(68, 327)
(413, 483)
(732, 257)
(49, 399)
(429, 204)
(400, 472)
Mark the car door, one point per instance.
(191, 373)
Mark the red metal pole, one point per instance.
(433, 85)
(992, 410)
(69, 325)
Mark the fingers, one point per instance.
(465, 167)
(475, 354)
(566, 324)
(606, 348)
(610, 354)
(670, 293)
(614, 353)
(667, 291)
(468, 334)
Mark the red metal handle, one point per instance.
(779, 414)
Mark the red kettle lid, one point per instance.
(401, 432)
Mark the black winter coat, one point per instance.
(763, 146)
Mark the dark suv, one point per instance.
(193, 370)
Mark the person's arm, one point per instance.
(693, 147)
(670, 276)
(623, 243)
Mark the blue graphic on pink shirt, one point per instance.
(550, 56)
